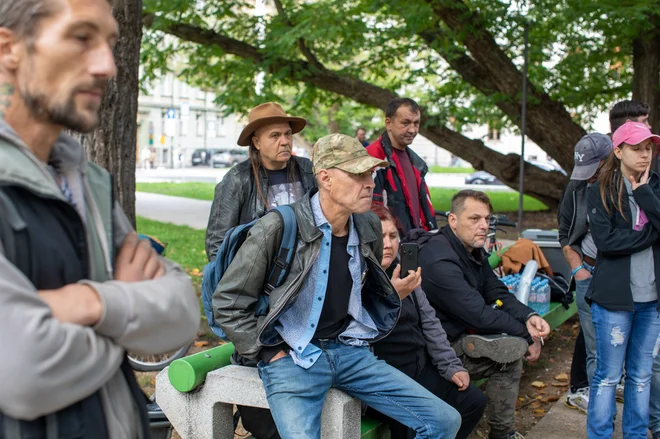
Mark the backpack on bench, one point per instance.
(234, 238)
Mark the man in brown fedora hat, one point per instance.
(271, 177)
(336, 300)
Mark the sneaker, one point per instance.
(619, 393)
(512, 435)
(499, 348)
(578, 400)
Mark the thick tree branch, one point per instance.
(546, 186)
(548, 123)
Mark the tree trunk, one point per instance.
(646, 66)
(113, 144)
(646, 78)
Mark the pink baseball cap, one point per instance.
(633, 133)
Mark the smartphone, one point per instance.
(409, 261)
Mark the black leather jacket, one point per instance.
(236, 200)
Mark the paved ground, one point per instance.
(209, 175)
(563, 423)
(176, 210)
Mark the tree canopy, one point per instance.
(461, 60)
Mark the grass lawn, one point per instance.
(441, 198)
(198, 191)
(185, 246)
(502, 201)
(447, 170)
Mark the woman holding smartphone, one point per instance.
(418, 344)
(624, 215)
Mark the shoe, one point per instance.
(619, 393)
(578, 400)
(512, 435)
(499, 348)
(656, 435)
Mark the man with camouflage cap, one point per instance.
(335, 301)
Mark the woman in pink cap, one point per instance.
(624, 216)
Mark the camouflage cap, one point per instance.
(343, 152)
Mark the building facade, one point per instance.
(175, 119)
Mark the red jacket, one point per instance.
(392, 189)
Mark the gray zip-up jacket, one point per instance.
(49, 365)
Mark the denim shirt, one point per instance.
(298, 324)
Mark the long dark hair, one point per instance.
(258, 168)
(612, 186)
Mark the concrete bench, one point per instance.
(207, 412)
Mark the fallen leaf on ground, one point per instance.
(562, 377)
(552, 398)
(201, 344)
(539, 384)
(555, 384)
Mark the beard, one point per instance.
(65, 114)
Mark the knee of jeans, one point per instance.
(448, 420)
(656, 349)
(605, 382)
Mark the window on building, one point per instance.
(200, 125)
(184, 127)
(211, 127)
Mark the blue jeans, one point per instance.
(295, 395)
(584, 311)
(654, 420)
(630, 337)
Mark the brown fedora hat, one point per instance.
(266, 114)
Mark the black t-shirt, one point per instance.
(281, 191)
(334, 315)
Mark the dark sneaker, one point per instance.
(499, 348)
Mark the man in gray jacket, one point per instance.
(78, 289)
(335, 301)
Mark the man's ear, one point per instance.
(10, 50)
(452, 220)
(324, 179)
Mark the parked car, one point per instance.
(548, 166)
(228, 158)
(483, 177)
(202, 156)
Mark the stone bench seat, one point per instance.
(207, 412)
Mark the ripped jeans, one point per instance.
(633, 338)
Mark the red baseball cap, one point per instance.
(633, 133)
